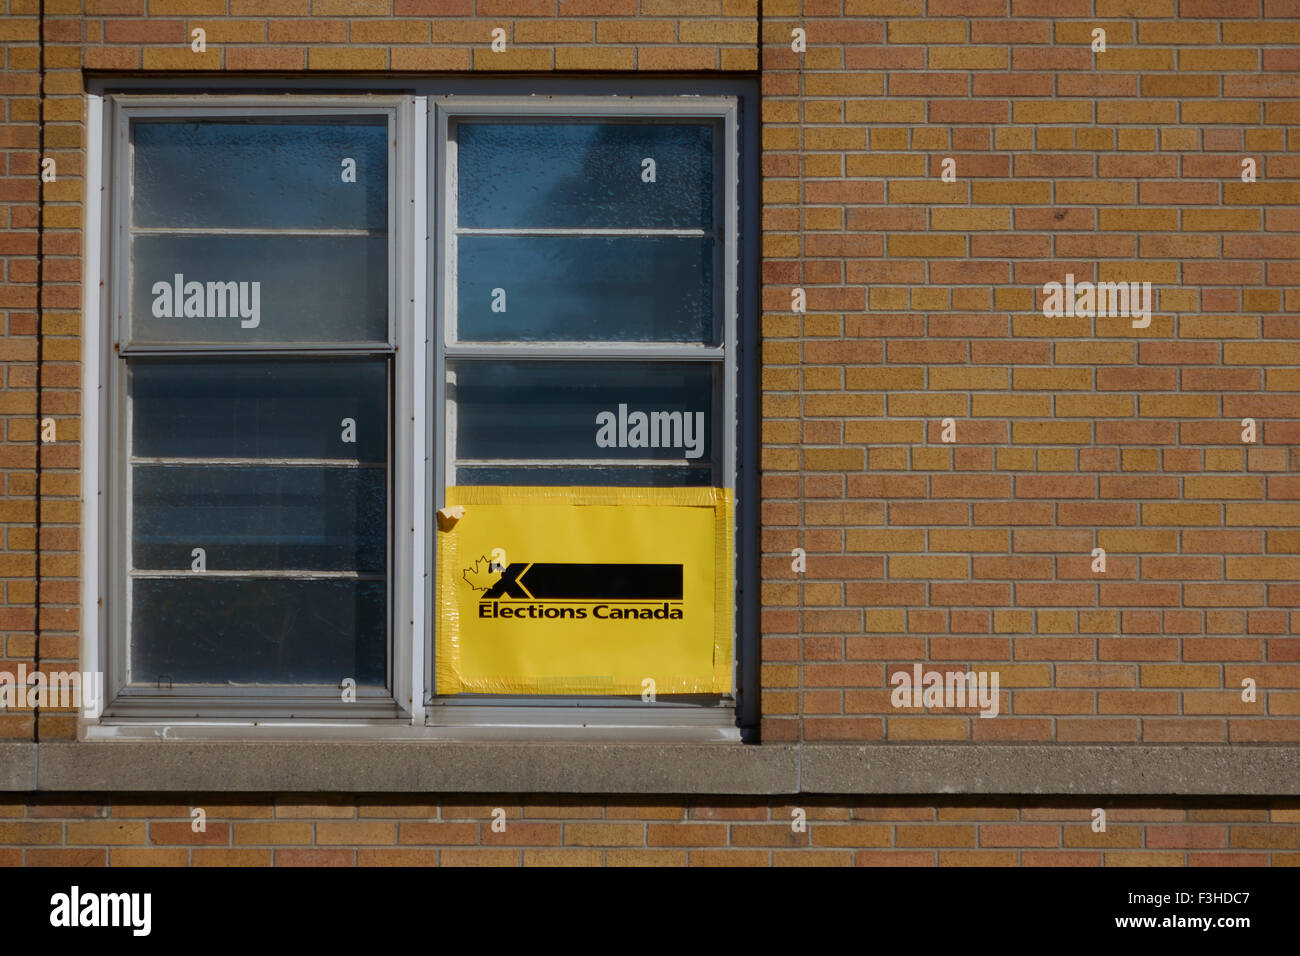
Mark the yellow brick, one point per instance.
(885, 299)
(927, 405)
(181, 58)
(888, 459)
(1013, 138)
(779, 675)
(1011, 406)
(635, 31)
(927, 31)
(963, 220)
(355, 832)
(876, 539)
(1204, 486)
(967, 539)
(1262, 194)
(884, 378)
(718, 31)
(1219, 111)
(932, 459)
(1137, 111)
(1179, 675)
(604, 834)
(272, 834)
(966, 377)
(1180, 139)
(969, 58)
(1052, 111)
(834, 138)
(355, 8)
(927, 246)
(106, 831)
(929, 300)
(347, 58)
(1094, 406)
(885, 165)
(832, 459)
(1057, 459)
(231, 31)
(1175, 514)
(844, 84)
(884, 433)
(514, 58)
(1051, 433)
(1178, 406)
(1006, 193)
(1137, 542)
(1051, 379)
(1015, 300)
(1015, 459)
(928, 566)
(1261, 32)
(1261, 569)
(188, 7)
(1136, 59)
(886, 111)
(391, 31)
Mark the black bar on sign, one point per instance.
(605, 582)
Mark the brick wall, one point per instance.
(923, 303)
(345, 830)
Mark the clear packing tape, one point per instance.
(585, 591)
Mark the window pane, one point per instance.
(304, 518)
(574, 288)
(585, 175)
(254, 289)
(238, 408)
(241, 174)
(215, 631)
(584, 410)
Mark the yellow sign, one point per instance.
(615, 591)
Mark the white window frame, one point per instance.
(446, 111)
(419, 307)
(266, 701)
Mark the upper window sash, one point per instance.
(162, 235)
(584, 243)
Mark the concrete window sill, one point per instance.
(649, 768)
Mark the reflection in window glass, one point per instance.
(585, 175)
(259, 289)
(230, 631)
(603, 411)
(237, 174)
(593, 288)
(259, 408)
(261, 517)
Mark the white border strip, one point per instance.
(421, 518)
(91, 293)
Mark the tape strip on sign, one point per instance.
(586, 591)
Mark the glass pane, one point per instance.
(254, 289)
(237, 408)
(593, 475)
(261, 517)
(584, 410)
(217, 631)
(574, 288)
(241, 174)
(585, 175)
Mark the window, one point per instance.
(276, 444)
